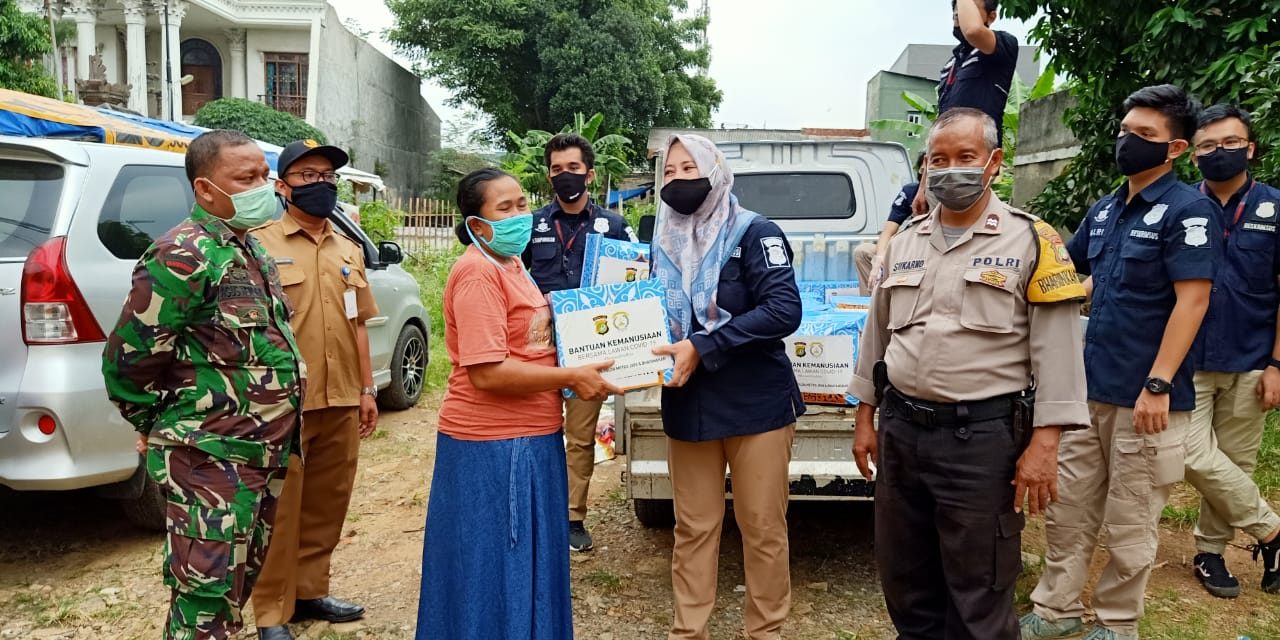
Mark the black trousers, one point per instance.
(948, 543)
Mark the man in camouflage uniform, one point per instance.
(204, 364)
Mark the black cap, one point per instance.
(303, 148)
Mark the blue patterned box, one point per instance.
(609, 261)
(821, 291)
(619, 322)
(823, 352)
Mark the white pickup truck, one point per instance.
(828, 196)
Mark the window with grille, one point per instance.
(286, 75)
(915, 117)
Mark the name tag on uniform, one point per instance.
(349, 300)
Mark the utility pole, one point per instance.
(57, 56)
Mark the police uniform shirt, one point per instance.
(744, 384)
(982, 318)
(1135, 252)
(556, 248)
(1239, 330)
(979, 80)
(321, 280)
(901, 209)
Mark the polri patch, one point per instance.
(601, 225)
(775, 252)
(1267, 210)
(1155, 215)
(1197, 231)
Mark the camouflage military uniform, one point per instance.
(204, 361)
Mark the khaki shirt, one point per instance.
(983, 318)
(313, 277)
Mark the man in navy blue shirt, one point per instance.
(980, 71)
(1151, 249)
(554, 258)
(869, 256)
(1236, 357)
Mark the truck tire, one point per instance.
(148, 509)
(408, 370)
(655, 514)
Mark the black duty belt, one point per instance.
(945, 415)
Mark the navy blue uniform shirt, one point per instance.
(901, 209)
(1135, 253)
(980, 81)
(744, 384)
(555, 252)
(1239, 329)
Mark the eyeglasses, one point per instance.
(311, 177)
(1230, 144)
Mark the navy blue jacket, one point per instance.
(1239, 330)
(978, 80)
(900, 212)
(744, 384)
(552, 266)
(1135, 253)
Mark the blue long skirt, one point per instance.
(495, 557)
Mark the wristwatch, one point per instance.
(1158, 386)
(1273, 363)
(369, 391)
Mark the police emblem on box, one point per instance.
(800, 349)
(602, 324)
(816, 349)
(621, 321)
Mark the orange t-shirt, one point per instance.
(493, 313)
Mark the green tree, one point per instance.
(1221, 50)
(528, 161)
(24, 41)
(257, 120)
(533, 65)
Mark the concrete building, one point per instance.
(917, 70)
(293, 55)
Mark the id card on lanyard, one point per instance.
(566, 247)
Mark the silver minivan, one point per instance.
(76, 216)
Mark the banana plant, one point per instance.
(528, 164)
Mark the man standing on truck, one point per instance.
(1150, 250)
(980, 71)
(323, 274)
(972, 353)
(204, 364)
(868, 257)
(554, 258)
(1236, 356)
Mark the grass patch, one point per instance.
(605, 580)
(617, 496)
(1181, 517)
(1169, 617)
(334, 635)
(432, 273)
(1267, 473)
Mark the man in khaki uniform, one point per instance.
(324, 277)
(972, 353)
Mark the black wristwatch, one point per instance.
(1273, 363)
(1158, 386)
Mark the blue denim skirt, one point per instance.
(495, 557)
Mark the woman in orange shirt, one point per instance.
(495, 560)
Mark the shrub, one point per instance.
(380, 221)
(257, 120)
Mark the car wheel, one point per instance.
(408, 370)
(148, 509)
(655, 514)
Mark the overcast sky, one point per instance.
(782, 63)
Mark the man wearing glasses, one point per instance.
(1236, 356)
(324, 278)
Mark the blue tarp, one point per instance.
(628, 194)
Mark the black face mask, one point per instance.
(685, 196)
(1135, 154)
(1224, 164)
(316, 199)
(569, 187)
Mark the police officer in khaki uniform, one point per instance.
(972, 354)
(324, 277)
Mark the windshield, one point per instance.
(30, 193)
(796, 195)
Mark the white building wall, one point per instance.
(262, 41)
(112, 56)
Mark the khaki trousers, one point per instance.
(1222, 450)
(310, 515)
(863, 255)
(758, 467)
(580, 418)
(1112, 479)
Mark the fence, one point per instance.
(427, 226)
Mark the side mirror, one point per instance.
(390, 253)
(646, 228)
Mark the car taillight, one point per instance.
(53, 311)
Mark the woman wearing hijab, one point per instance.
(731, 299)
(495, 561)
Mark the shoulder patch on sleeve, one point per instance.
(1055, 278)
(775, 252)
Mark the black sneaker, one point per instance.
(1211, 569)
(1270, 553)
(579, 539)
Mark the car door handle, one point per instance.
(376, 321)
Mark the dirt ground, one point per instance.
(72, 568)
